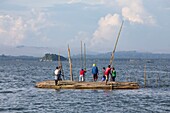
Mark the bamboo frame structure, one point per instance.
(70, 63)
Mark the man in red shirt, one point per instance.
(82, 75)
(107, 72)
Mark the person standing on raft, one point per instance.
(57, 73)
(82, 75)
(95, 72)
(113, 76)
(107, 73)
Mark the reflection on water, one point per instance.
(18, 94)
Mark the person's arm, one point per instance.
(85, 71)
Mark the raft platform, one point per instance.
(50, 84)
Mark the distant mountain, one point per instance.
(24, 51)
(128, 54)
(7, 57)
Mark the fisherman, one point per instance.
(95, 72)
(103, 71)
(107, 73)
(57, 73)
(82, 75)
(113, 75)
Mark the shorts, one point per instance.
(107, 77)
(103, 78)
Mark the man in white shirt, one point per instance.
(57, 73)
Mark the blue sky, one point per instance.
(57, 23)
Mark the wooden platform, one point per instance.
(87, 85)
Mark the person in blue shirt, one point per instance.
(95, 72)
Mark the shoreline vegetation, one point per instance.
(118, 55)
(52, 57)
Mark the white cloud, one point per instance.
(103, 38)
(18, 27)
(131, 10)
(134, 11)
(11, 30)
(14, 29)
(37, 24)
(106, 32)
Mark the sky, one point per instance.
(54, 24)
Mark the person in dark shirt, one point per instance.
(95, 72)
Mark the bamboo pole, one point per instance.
(158, 80)
(84, 56)
(81, 56)
(145, 75)
(70, 62)
(112, 57)
(60, 64)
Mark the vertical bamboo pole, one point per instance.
(145, 75)
(126, 77)
(70, 62)
(112, 57)
(81, 55)
(59, 63)
(158, 79)
(84, 56)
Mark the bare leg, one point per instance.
(107, 79)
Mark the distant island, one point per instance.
(46, 57)
(52, 57)
(118, 55)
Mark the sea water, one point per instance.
(19, 95)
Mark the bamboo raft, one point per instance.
(87, 85)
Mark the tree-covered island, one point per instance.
(52, 57)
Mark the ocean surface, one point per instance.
(19, 95)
